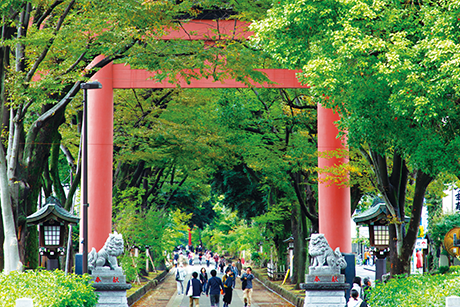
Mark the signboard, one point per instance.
(421, 244)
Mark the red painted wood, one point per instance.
(334, 200)
(210, 30)
(100, 158)
(125, 77)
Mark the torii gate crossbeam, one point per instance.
(334, 201)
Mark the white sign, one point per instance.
(421, 244)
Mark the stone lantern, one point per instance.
(52, 221)
(376, 218)
(290, 242)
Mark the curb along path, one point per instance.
(165, 294)
(148, 287)
(289, 296)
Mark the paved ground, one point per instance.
(165, 294)
(364, 271)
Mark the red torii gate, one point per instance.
(334, 201)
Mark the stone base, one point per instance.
(325, 291)
(325, 286)
(111, 286)
(112, 299)
(323, 270)
(325, 278)
(331, 298)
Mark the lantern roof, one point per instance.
(377, 213)
(52, 210)
(290, 239)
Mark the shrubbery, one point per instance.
(416, 290)
(47, 288)
(132, 271)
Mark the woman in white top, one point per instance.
(180, 277)
(358, 287)
(354, 300)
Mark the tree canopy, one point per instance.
(190, 157)
(45, 52)
(390, 68)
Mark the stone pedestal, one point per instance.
(24, 302)
(111, 287)
(453, 301)
(380, 268)
(325, 287)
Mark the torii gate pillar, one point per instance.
(100, 158)
(334, 201)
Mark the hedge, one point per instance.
(47, 288)
(416, 290)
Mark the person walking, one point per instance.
(232, 267)
(216, 260)
(191, 256)
(203, 279)
(247, 278)
(235, 269)
(239, 266)
(367, 257)
(222, 262)
(194, 290)
(357, 286)
(208, 258)
(180, 277)
(176, 258)
(228, 282)
(354, 300)
(215, 286)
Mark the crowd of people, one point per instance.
(358, 293)
(212, 286)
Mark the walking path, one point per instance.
(165, 294)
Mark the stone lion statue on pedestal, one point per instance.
(108, 254)
(322, 253)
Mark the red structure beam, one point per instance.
(125, 78)
(210, 30)
(334, 202)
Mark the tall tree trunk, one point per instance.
(302, 265)
(400, 261)
(393, 188)
(306, 197)
(54, 167)
(10, 245)
(298, 226)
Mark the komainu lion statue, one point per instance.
(322, 253)
(107, 256)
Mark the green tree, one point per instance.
(391, 70)
(231, 234)
(274, 132)
(46, 47)
(439, 226)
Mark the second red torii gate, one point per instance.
(334, 201)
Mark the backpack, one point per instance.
(244, 283)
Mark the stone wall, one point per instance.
(146, 288)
